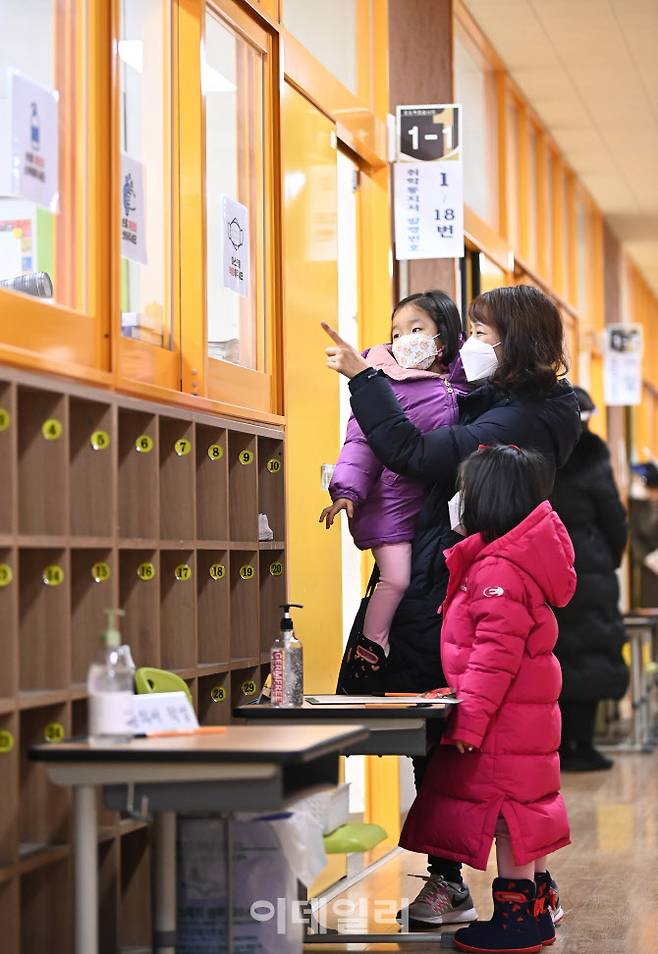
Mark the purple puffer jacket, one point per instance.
(386, 506)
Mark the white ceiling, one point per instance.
(590, 70)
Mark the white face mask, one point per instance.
(455, 507)
(585, 416)
(416, 351)
(479, 359)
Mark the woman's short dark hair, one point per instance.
(532, 335)
(444, 313)
(500, 486)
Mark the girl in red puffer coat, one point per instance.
(497, 773)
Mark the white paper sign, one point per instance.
(163, 712)
(133, 218)
(34, 141)
(623, 347)
(235, 246)
(429, 210)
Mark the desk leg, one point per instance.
(85, 851)
(164, 912)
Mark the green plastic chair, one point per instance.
(160, 680)
(352, 838)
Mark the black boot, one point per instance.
(583, 757)
(364, 672)
(543, 888)
(513, 928)
(555, 908)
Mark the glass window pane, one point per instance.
(547, 237)
(582, 248)
(533, 197)
(145, 188)
(232, 82)
(564, 241)
(513, 173)
(45, 232)
(329, 32)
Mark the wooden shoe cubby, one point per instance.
(110, 501)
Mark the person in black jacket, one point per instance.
(591, 627)
(515, 355)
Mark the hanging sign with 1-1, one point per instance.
(217, 571)
(133, 218)
(235, 246)
(34, 141)
(6, 574)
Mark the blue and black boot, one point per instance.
(513, 928)
(543, 898)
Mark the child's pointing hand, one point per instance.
(342, 356)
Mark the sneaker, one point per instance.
(364, 670)
(554, 907)
(439, 902)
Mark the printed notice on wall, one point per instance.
(34, 141)
(235, 246)
(133, 217)
(623, 347)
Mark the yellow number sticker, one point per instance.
(53, 575)
(215, 452)
(6, 742)
(183, 447)
(246, 457)
(146, 571)
(100, 572)
(99, 440)
(54, 732)
(276, 568)
(248, 687)
(273, 465)
(247, 572)
(183, 571)
(6, 574)
(144, 444)
(217, 571)
(52, 429)
(218, 693)
(5, 419)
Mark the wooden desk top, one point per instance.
(351, 712)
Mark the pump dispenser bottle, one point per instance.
(110, 688)
(287, 664)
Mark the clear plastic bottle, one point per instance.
(110, 689)
(287, 664)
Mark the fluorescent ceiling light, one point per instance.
(212, 81)
(132, 54)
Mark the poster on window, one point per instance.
(235, 246)
(34, 141)
(18, 238)
(133, 210)
(623, 348)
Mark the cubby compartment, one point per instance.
(245, 633)
(7, 457)
(139, 597)
(214, 705)
(43, 485)
(245, 686)
(272, 595)
(211, 483)
(92, 451)
(135, 890)
(9, 589)
(46, 908)
(213, 609)
(271, 485)
(177, 609)
(9, 794)
(44, 648)
(94, 588)
(9, 919)
(138, 475)
(177, 479)
(44, 807)
(243, 487)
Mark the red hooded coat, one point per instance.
(497, 651)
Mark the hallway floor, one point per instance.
(608, 877)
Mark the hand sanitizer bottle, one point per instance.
(287, 664)
(110, 689)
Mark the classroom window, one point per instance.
(512, 146)
(546, 239)
(582, 258)
(533, 195)
(329, 31)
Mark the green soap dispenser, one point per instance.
(287, 664)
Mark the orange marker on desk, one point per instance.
(201, 730)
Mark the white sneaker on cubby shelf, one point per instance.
(264, 530)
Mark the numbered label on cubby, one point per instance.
(217, 571)
(215, 452)
(52, 429)
(246, 457)
(6, 742)
(6, 574)
(218, 693)
(100, 572)
(183, 571)
(183, 447)
(144, 444)
(5, 419)
(274, 465)
(247, 572)
(248, 687)
(53, 575)
(54, 732)
(146, 571)
(100, 440)
(276, 568)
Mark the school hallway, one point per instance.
(608, 879)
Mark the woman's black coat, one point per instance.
(550, 425)
(591, 627)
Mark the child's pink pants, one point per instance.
(507, 867)
(394, 562)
